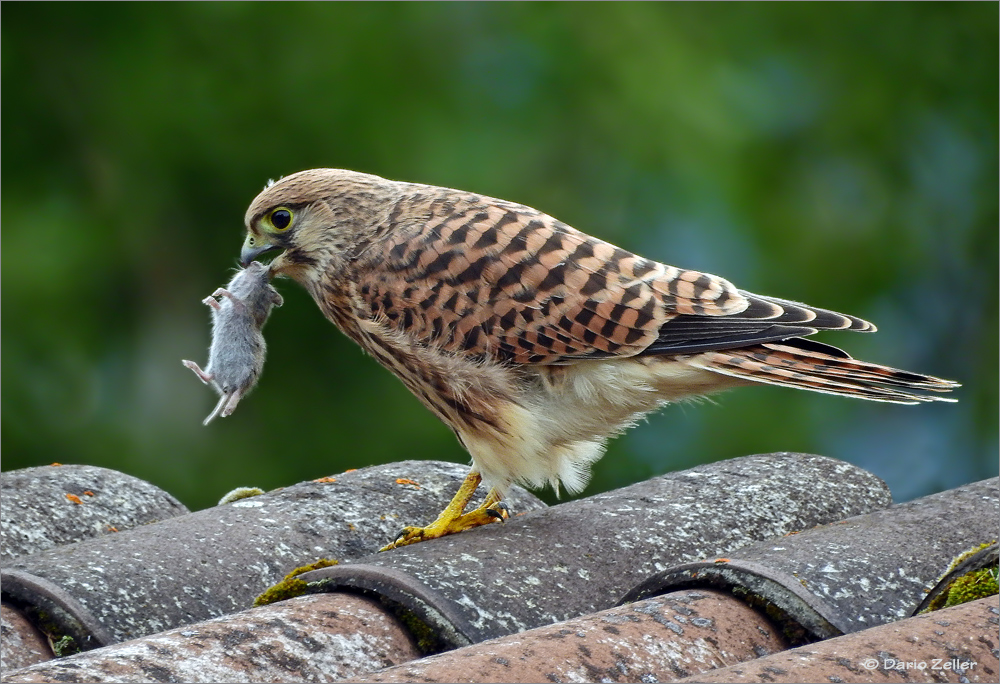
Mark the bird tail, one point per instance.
(817, 367)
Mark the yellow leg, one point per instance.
(454, 518)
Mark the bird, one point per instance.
(533, 341)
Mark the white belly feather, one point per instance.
(566, 414)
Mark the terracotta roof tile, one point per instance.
(857, 573)
(952, 645)
(217, 561)
(582, 556)
(22, 644)
(311, 638)
(656, 640)
(535, 597)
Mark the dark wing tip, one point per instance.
(786, 311)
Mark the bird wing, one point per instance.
(766, 319)
(502, 280)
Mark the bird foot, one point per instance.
(484, 515)
(453, 519)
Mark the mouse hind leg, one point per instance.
(202, 375)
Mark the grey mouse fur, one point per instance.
(236, 357)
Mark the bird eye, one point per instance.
(281, 218)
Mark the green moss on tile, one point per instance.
(964, 556)
(240, 493)
(291, 586)
(969, 587)
(427, 639)
(64, 646)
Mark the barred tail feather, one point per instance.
(804, 367)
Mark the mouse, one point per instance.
(236, 356)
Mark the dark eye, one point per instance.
(281, 218)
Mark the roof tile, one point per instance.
(22, 644)
(656, 640)
(856, 573)
(952, 645)
(62, 504)
(581, 556)
(311, 638)
(213, 562)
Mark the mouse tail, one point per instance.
(219, 409)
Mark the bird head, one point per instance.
(315, 218)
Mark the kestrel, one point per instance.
(533, 341)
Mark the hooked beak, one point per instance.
(253, 247)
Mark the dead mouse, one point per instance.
(236, 357)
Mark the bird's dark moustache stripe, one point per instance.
(298, 257)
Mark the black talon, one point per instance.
(502, 514)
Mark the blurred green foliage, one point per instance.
(839, 154)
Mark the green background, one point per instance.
(839, 154)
